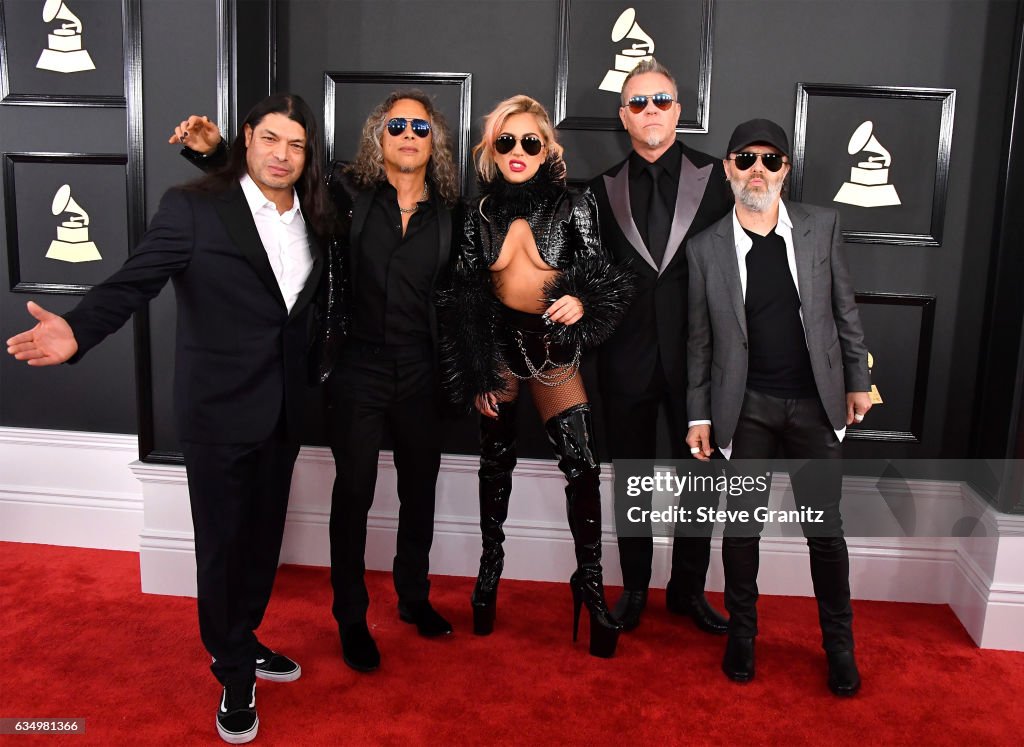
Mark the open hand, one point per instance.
(48, 343)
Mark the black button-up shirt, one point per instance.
(640, 186)
(394, 278)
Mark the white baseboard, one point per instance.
(87, 490)
(69, 488)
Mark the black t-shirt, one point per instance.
(777, 359)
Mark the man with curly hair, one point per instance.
(376, 347)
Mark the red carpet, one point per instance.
(80, 640)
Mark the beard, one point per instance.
(654, 139)
(756, 200)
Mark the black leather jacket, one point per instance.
(565, 226)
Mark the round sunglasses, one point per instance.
(532, 144)
(771, 161)
(396, 126)
(638, 103)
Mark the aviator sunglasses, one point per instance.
(531, 144)
(638, 103)
(505, 143)
(772, 161)
(420, 127)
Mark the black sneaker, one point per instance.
(237, 722)
(276, 667)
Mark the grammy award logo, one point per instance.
(72, 243)
(642, 48)
(869, 180)
(876, 396)
(64, 53)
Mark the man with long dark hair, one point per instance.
(243, 250)
(376, 346)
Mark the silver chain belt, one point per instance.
(565, 372)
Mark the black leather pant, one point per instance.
(795, 429)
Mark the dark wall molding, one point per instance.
(132, 37)
(698, 122)
(924, 354)
(135, 218)
(804, 91)
(401, 80)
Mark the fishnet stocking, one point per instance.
(549, 400)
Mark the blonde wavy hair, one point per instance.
(483, 152)
(367, 170)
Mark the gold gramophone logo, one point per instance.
(642, 48)
(72, 243)
(876, 396)
(64, 52)
(869, 180)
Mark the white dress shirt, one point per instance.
(744, 244)
(284, 239)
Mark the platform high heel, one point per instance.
(571, 434)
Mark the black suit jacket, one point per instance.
(656, 323)
(239, 353)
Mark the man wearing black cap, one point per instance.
(777, 362)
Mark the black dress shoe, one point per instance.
(358, 649)
(697, 608)
(843, 677)
(424, 617)
(738, 662)
(629, 607)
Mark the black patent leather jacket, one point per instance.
(565, 227)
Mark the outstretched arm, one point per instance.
(48, 343)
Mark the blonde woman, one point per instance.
(532, 288)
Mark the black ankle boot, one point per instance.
(571, 435)
(497, 460)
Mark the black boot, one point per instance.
(497, 460)
(571, 435)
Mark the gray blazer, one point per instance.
(717, 343)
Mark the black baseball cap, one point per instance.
(759, 131)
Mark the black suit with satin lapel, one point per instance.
(655, 326)
(643, 366)
(239, 384)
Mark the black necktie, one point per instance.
(658, 221)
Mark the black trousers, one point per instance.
(631, 422)
(796, 429)
(239, 498)
(373, 389)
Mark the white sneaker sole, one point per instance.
(233, 737)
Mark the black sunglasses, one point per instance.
(638, 103)
(420, 127)
(531, 144)
(772, 161)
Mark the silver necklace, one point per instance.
(414, 208)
